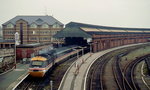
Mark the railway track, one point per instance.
(129, 74)
(117, 72)
(125, 78)
(95, 76)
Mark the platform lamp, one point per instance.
(16, 43)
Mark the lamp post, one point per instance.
(16, 43)
(82, 51)
(77, 52)
(15, 54)
(90, 47)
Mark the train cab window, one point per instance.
(45, 63)
(36, 64)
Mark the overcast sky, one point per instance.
(119, 13)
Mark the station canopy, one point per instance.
(74, 29)
(72, 32)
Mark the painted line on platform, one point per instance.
(88, 71)
(20, 81)
(13, 85)
(65, 75)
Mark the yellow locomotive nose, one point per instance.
(37, 73)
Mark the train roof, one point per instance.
(64, 48)
(57, 50)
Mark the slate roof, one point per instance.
(77, 24)
(39, 20)
(72, 32)
(74, 29)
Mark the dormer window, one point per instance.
(33, 26)
(10, 25)
(45, 26)
(56, 25)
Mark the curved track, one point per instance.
(124, 80)
(129, 73)
(117, 72)
(95, 76)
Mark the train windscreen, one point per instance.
(36, 64)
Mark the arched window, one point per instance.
(33, 26)
(10, 25)
(56, 25)
(45, 26)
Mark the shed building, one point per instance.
(102, 37)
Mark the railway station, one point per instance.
(102, 37)
(100, 40)
(75, 45)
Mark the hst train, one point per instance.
(41, 63)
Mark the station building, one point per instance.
(102, 37)
(32, 29)
(35, 34)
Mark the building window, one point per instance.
(45, 26)
(32, 38)
(10, 32)
(53, 32)
(56, 25)
(44, 32)
(33, 26)
(10, 25)
(44, 38)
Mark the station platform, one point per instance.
(9, 80)
(74, 78)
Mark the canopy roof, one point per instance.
(72, 32)
(74, 29)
